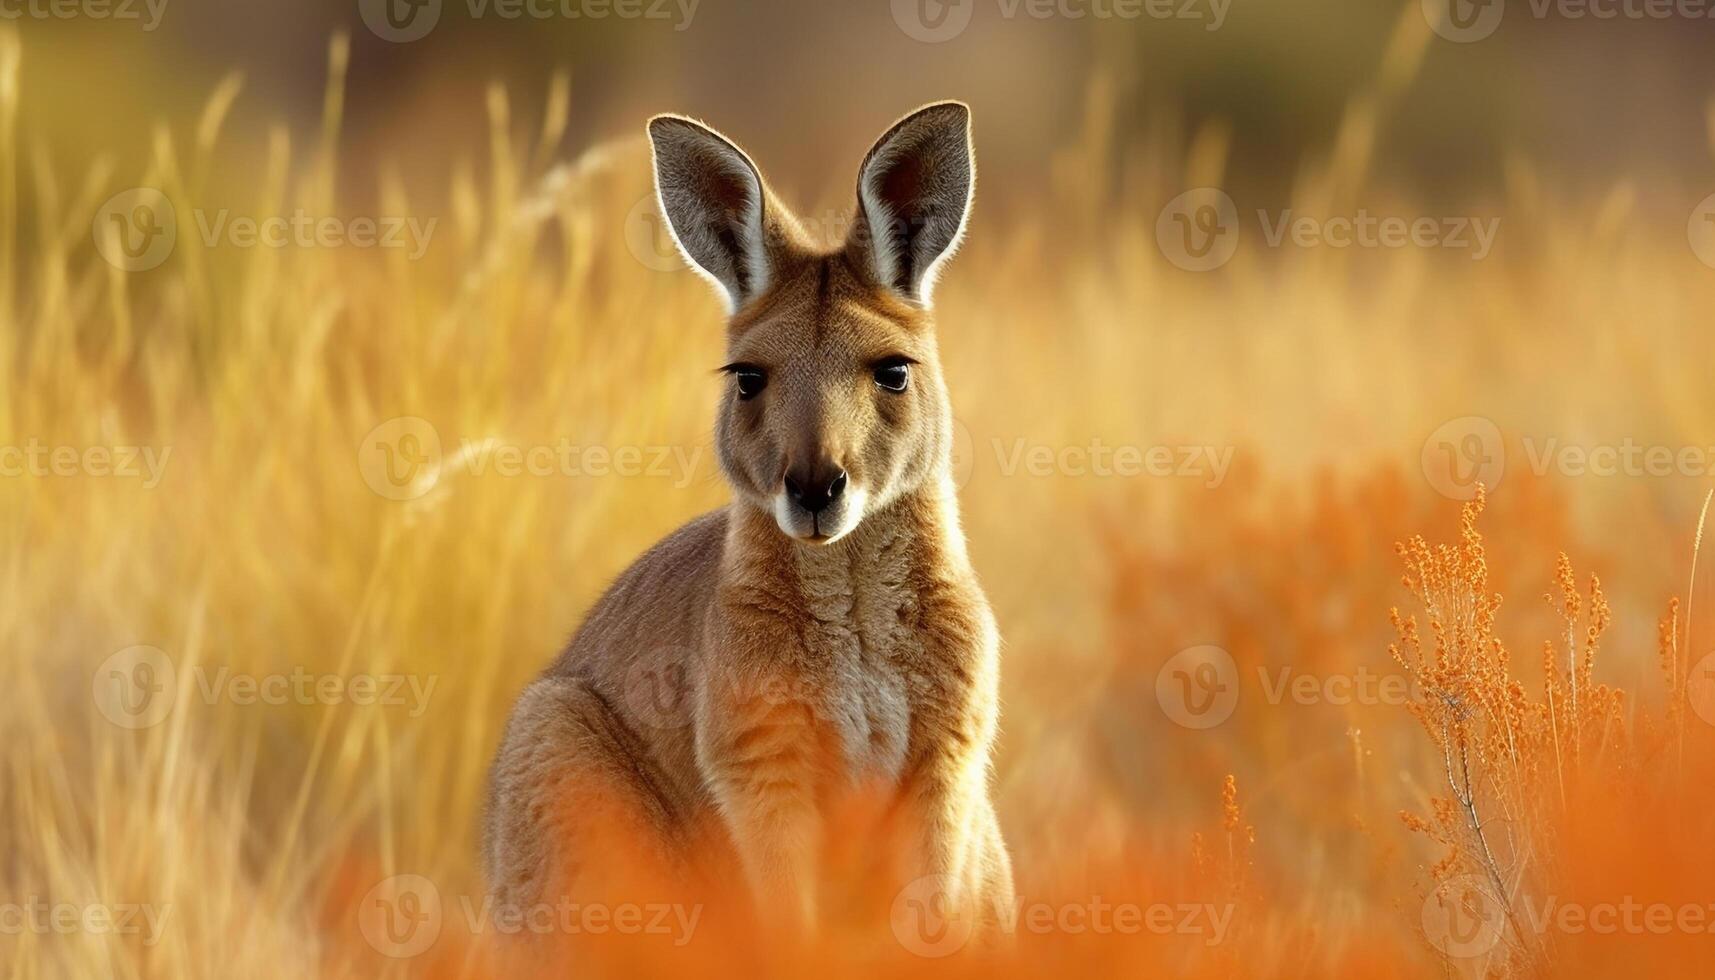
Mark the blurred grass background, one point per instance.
(532, 318)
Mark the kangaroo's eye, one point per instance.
(751, 381)
(893, 374)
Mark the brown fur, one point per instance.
(795, 671)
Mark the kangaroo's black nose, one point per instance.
(815, 488)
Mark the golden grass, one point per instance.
(530, 321)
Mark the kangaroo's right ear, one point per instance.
(717, 207)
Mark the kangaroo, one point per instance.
(825, 630)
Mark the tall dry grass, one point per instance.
(530, 320)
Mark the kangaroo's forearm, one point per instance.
(764, 764)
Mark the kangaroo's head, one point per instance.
(834, 405)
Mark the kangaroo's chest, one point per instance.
(867, 646)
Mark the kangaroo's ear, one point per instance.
(720, 213)
(914, 192)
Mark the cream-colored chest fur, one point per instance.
(862, 640)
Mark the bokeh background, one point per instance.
(1352, 395)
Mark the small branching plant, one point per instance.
(1513, 761)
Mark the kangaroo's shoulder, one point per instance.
(659, 600)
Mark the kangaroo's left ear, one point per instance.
(914, 193)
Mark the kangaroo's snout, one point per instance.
(815, 487)
(818, 503)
